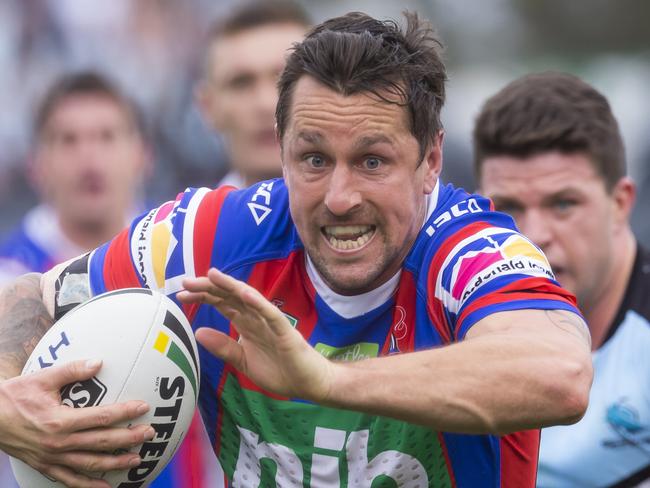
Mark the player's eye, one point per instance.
(372, 163)
(564, 206)
(315, 161)
(242, 82)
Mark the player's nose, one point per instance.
(342, 194)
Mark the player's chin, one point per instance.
(352, 279)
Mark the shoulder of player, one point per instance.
(255, 222)
(457, 215)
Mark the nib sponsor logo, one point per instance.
(293, 444)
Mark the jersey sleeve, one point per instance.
(161, 247)
(158, 250)
(482, 265)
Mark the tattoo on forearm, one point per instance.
(24, 320)
(570, 323)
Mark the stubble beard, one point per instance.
(362, 282)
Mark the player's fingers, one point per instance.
(222, 281)
(198, 284)
(92, 462)
(222, 346)
(204, 284)
(101, 416)
(108, 440)
(254, 301)
(55, 377)
(71, 479)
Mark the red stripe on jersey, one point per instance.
(533, 288)
(450, 470)
(436, 311)
(279, 281)
(519, 453)
(284, 282)
(118, 267)
(402, 330)
(205, 228)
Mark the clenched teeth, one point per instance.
(346, 237)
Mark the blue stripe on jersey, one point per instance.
(538, 304)
(211, 366)
(426, 335)
(475, 459)
(271, 237)
(96, 270)
(176, 262)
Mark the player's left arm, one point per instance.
(514, 370)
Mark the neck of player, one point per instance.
(601, 311)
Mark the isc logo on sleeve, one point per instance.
(259, 211)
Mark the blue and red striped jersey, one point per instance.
(466, 263)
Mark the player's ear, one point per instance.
(623, 198)
(433, 163)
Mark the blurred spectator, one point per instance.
(88, 164)
(150, 47)
(237, 92)
(549, 152)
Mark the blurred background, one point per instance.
(153, 49)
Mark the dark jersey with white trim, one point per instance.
(610, 446)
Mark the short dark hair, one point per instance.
(251, 15)
(84, 83)
(550, 111)
(258, 13)
(356, 53)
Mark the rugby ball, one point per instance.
(148, 352)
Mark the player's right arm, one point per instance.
(34, 426)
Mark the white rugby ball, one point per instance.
(148, 352)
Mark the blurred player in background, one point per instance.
(237, 92)
(89, 162)
(548, 151)
(88, 165)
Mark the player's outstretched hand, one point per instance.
(60, 441)
(269, 350)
